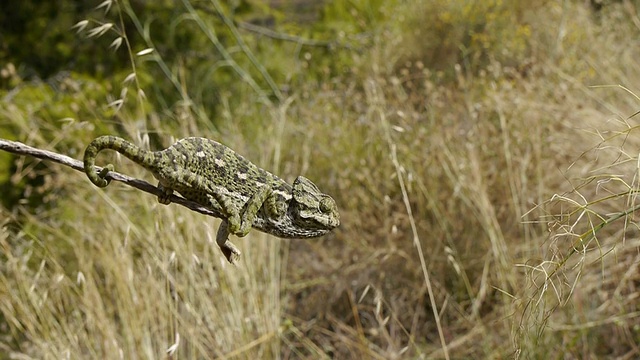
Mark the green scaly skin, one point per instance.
(216, 177)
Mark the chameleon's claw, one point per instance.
(165, 198)
(231, 252)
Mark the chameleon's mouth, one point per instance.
(327, 223)
(333, 221)
(305, 233)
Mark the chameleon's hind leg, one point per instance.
(229, 250)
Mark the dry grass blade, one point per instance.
(377, 101)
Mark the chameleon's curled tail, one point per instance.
(120, 145)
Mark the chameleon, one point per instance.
(216, 177)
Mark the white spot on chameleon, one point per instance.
(242, 176)
(284, 194)
(201, 154)
(219, 162)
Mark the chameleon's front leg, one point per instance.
(263, 197)
(241, 226)
(229, 250)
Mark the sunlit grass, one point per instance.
(472, 193)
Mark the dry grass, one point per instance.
(471, 194)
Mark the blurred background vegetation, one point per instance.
(483, 154)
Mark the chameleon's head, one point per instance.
(312, 208)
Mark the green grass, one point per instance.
(474, 189)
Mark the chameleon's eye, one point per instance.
(326, 205)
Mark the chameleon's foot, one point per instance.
(231, 252)
(165, 197)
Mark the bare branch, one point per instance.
(22, 149)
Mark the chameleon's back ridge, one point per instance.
(216, 177)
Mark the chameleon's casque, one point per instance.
(216, 177)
